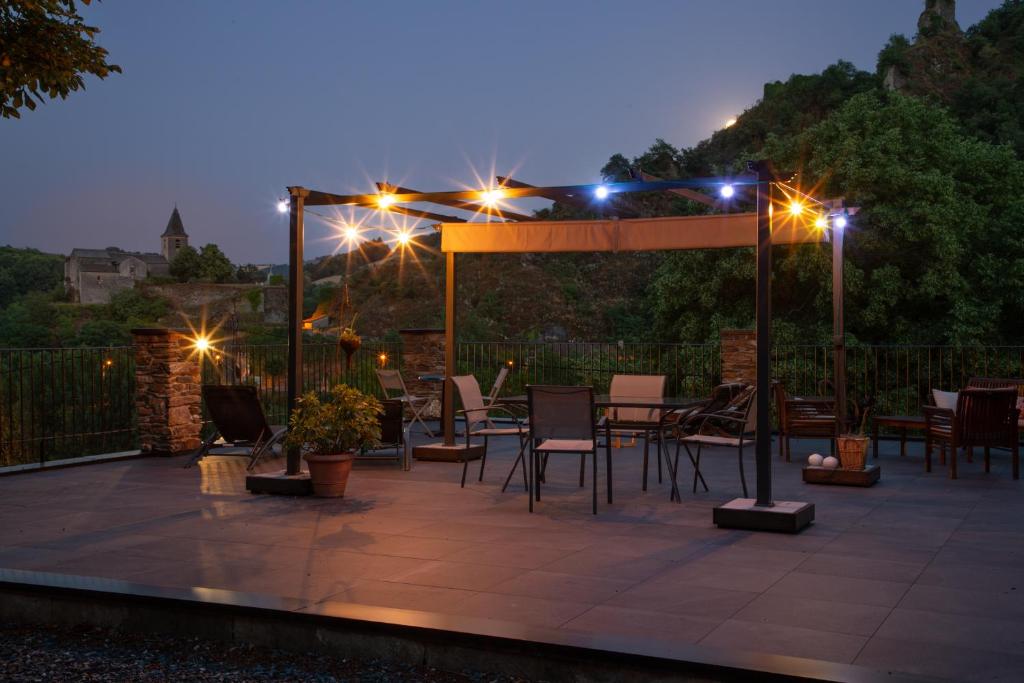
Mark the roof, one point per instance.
(88, 258)
(175, 228)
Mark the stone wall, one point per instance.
(739, 355)
(167, 391)
(423, 354)
(219, 300)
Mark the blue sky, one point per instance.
(223, 103)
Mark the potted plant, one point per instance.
(349, 341)
(330, 432)
(853, 448)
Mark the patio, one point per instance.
(918, 574)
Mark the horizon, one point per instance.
(201, 117)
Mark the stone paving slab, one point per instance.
(918, 574)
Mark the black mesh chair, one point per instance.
(561, 421)
(392, 435)
(239, 423)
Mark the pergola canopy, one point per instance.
(634, 234)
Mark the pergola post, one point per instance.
(764, 513)
(295, 282)
(763, 330)
(838, 328)
(448, 407)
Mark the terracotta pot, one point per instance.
(329, 473)
(853, 451)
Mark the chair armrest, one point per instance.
(938, 416)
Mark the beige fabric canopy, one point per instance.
(634, 234)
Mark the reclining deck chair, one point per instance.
(238, 421)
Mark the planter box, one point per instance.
(868, 476)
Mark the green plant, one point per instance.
(346, 420)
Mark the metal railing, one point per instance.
(324, 365)
(691, 369)
(60, 403)
(57, 403)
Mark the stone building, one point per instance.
(92, 275)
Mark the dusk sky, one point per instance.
(222, 104)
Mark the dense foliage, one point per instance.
(45, 48)
(28, 270)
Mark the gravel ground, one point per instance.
(87, 654)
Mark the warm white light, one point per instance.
(839, 222)
(491, 197)
(601, 192)
(351, 233)
(282, 206)
(727, 191)
(201, 344)
(796, 208)
(730, 123)
(385, 200)
(403, 238)
(821, 223)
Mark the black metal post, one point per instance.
(763, 327)
(838, 328)
(295, 235)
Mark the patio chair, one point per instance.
(238, 422)
(730, 428)
(391, 381)
(804, 418)
(561, 420)
(475, 412)
(392, 433)
(492, 396)
(983, 417)
(643, 422)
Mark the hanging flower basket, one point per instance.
(349, 342)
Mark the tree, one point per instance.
(248, 274)
(28, 270)
(45, 48)
(186, 264)
(214, 266)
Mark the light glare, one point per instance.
(727, 191)
(282, 206)
(491, 197)
(601, 192)
(796, 208)
(201, 344)
(351, 233)
(730, 122)
(403, 238)
(821, 223)
(385, 200)
(839, 222)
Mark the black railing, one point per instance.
(324, 365)
(61, 403)
(57, 403)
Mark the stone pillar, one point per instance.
(423, 354)
(167, 391)
(739, 356)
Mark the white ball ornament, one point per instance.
(814, 460)
(830, 462)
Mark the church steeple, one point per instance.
(174, 237)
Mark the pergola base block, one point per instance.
(869, 476)
(441, 453)
(279, 483)
(743, 513)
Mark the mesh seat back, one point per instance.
(636, 386)
(499, 382)
(472, 400)
(558, 412)
(236, 412)
(390, 381)
(391, 422)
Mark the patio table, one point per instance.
(663, 403)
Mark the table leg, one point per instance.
(874, 434)
(903, 442)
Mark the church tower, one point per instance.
(174, 237)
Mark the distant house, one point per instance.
(92, 275)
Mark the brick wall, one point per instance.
(423, 354)
(739, 355)
(167, 391)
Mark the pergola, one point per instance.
(811, 221)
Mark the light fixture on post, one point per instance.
(601, 192)
(385, 200)
(282, 206)
(490, 198)
(727, 191)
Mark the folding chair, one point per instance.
(475, 412)
(492, 395)
(239, 422)
(391, 381)
(562, 421)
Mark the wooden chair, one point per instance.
(985, 417)
(804, 419)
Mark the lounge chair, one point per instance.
(239, 423)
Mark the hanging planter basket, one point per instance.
(349, 342)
